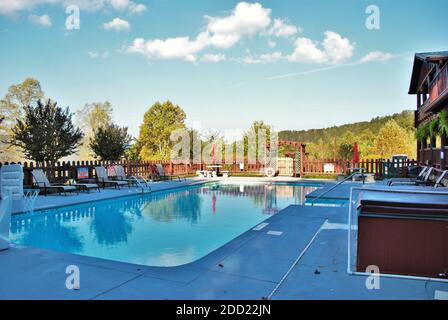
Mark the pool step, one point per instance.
(327, 202)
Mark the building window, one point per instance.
(438, 142)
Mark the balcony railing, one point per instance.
(422, 112)
(439, 85)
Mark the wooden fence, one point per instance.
(379, 167)
(64, 170)
(61, 171)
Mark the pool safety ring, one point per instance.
(270, 172)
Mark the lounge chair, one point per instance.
(202, 173)
(121, 176)
(103, 179)
(440, 180)
(162, 175)
(420, 176)
(422, 179)
(85, 186)
(41, 181)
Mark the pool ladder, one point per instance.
(337, 185)
(137, 181)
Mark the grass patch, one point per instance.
(321, 176)
(246, 174)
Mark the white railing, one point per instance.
(138, 181)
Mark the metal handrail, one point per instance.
(336, 185)
(140, 184)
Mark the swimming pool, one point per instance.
(167, 228)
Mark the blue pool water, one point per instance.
(159, 229)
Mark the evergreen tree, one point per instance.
(46, 133)
(110, 142)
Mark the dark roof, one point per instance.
(422, 64)
(432, 55)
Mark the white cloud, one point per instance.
(43, 20)
(96, 54)
(137, 8)
(272, 44)
(282, 29)
(263, 58)
(14, 7)
(306, 51)
(334, 49)
(128, 5)
(87, 5)
(119, 4)
(377, 56)
(213, 57)
(190, 58)
(171, 48)
(247, 19)
(117, 24)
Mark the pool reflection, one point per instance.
(160, 229)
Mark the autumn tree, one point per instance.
(90, 118)
(320, 149)
(261, 130)
(12, 107)
(133, 152)
(110, 142)
(158, 124)
(393, 139)
(46, 133)
(346, 146)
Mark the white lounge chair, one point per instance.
(202, 173)
(41, 181)
(443, 176)
(85, 186)
(102, 178)
(162, 173)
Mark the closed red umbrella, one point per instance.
(355, 153)
(213, 153)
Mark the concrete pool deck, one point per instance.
(309, 242)
(248, 267)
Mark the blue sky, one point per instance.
(294, 64)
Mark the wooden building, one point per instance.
(429, 82)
